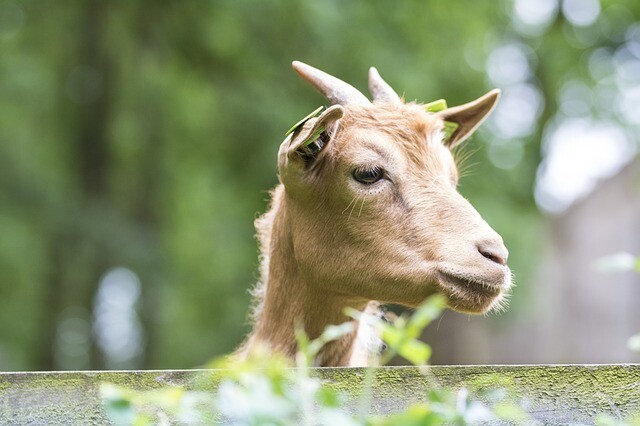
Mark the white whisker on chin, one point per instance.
(349, 205)
(354, 205)
(500, 305)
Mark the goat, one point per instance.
(367, 210)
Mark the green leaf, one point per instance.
(449, 129)
(304, 120)
(510, 412)
(301, 338)
(307, 350)
(412, 350)
(312, 350)
(416, 415)
(142, 420)
(440, 105)
(415, 351)
(428, 311)
(314, 136)
(117, 403)
(606, 420)
(328, 397)
(436, 106)
(392, 336)
(334, 332)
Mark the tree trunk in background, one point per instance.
(92, 144)
(92, 73)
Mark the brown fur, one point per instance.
(329, 242)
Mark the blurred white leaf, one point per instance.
(634, 343)
(619, 262)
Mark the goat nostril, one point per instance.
(495, 253)
(493, 257)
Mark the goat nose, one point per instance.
(495, 251)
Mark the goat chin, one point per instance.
(474, 295)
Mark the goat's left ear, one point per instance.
(308, 140)
(311, 137)
(469, 116)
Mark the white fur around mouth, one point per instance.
(472, 294)
(473, 284)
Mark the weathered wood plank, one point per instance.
(553, 394)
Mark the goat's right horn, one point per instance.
(380, 89)
(334, 89)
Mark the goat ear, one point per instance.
(468, 117)
(306, 142)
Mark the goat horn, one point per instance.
(380, 89)
(336, 90)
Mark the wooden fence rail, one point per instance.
(552, 394)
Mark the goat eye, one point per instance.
(368, 175)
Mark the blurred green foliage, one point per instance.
(143, 135)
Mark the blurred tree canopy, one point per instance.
(143, 135)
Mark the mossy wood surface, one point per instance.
(552, 394)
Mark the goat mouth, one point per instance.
(469, 294)
(471, 283)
